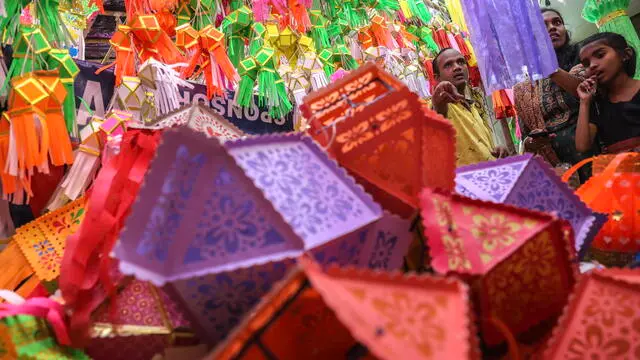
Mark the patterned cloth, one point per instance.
(543, 105)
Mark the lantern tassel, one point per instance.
(78, 179)
(272, 93)
(244, 95)
(60, 149)
(300, 15)
(319, 79)
(166, 89)
(419, 10)
(8, 180)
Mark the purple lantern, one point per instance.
(529, 182)
(510, 41)
(223, 221)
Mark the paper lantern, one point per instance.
(200, 118)
(520, 264)
(381, 133)
(145, 323)
(264, 199)
(529, 182)
(43, 240)
(345, 313)
(614, 189)
(510, 41)
(130, 95)
(601, 320)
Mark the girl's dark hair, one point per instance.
(568, 55)
(619, 44)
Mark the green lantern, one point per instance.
(61, 60)
(611, 16)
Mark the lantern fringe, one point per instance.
(244, 94)
(166, 88)
(60, 149)
(300, 15)
(69, 109)
(419, 10)
(319, 79)
(78, 179)
(272, 93)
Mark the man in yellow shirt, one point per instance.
(454, 99)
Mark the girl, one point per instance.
(613, 112)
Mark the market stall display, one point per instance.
(222, 173)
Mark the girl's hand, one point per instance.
(587, 89)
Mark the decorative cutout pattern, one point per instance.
(231, 223)
(43, 241)
(526, 283)
(303, 189)
(167, 215)
(220, 301)
(494, 182)
(605, 323)
(210, 126)
(539, 192)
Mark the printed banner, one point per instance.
(95, 91)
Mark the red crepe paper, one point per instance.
(86, 259)
(381, 132)
(329, 315)
(602, 320)
(519, 263)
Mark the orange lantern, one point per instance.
(343, 312)
(519, 263)
(380, 131)
(614, 189)
(601, 320)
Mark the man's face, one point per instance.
(453, 68)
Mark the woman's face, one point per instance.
(555, 28)
(601, 61)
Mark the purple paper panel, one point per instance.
(217, 303)
(380, 245)
(541, 189)
(197, 213)
(315, 196)
(490, 181)
(510, 41)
